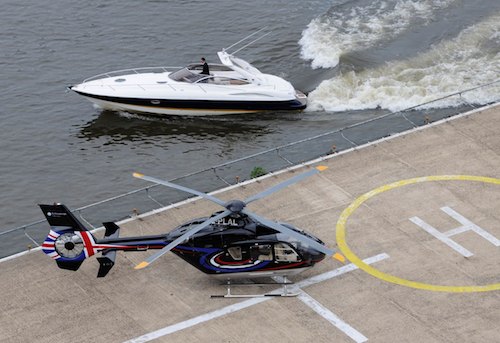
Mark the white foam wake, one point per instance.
(361, 27)
(471, 59)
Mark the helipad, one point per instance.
(416, 215)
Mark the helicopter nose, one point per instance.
(235, 206)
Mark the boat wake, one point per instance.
(357, 25)
(464, 60)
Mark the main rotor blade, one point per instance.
(290, 232)
(284, 184)
(181, 239)
(179, 187)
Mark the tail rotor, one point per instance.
(65, 242)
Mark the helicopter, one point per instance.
(234, 243)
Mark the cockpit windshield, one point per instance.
(244, 65)
(185, 75)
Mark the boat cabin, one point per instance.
(220, 75)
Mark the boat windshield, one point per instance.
(244, 65)
(184, 75)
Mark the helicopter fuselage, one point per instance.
(232, 243)
(235, 245)
(244, 248)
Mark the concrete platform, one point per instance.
(418, 287)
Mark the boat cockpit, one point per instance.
(186, 75)
(191, 74)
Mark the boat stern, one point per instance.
(301, 98)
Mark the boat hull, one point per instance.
(193, 107)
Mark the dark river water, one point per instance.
(356, 59)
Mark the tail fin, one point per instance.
(107, 261)
(59, 215)
(67, 239)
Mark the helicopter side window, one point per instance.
(285, 253)
(261, 252)
(235, 253)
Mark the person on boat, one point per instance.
(205, 67)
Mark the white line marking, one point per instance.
(471, 226)
(197, 320)
(458, 230)
(247, 303)
(332, 318)
(467, 225)
(441, 236)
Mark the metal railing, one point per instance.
(227, 173)
(115, 73)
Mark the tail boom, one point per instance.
(69, 242)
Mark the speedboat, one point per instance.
(233, 86)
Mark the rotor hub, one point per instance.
(235, 206)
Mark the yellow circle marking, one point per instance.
(351, 256)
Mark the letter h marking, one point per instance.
(467, 225)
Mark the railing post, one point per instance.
(154, 200)
(283, 157)
(220, 177)
(347, 139)
(30, 238)
(85, 220)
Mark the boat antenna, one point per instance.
(244, 46)
(241, 40)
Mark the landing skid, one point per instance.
(282, 292)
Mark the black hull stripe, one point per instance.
(294, 104)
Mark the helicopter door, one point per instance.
(285, 253)
(261, 252)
